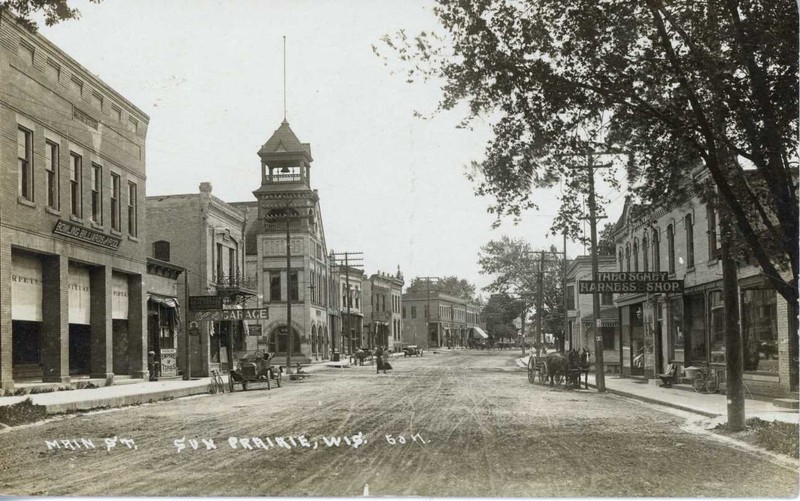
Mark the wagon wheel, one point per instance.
(558, 378)
(269, 384)
(712, 382)
(543, 372)
(531, 370)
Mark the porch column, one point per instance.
(55, 319)
(101, 343)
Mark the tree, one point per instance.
(54, 11)
(451, 285)
(605, 241)
(671, 85)
(499, 314)
(519, 270)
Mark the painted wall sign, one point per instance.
(86, 235)
(119, 296)
(26, 287)
(80, 296)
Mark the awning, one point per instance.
(608, 318)
(169, 302)
(479, 333)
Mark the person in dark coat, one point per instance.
(379, 360)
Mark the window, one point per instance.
(427, 311)
(636, 254)
(607, 298)
(293, 289)
(115, 199)
(76, 86)
(413, 312)
(133, 124)
(671, 249)
(25, 160)
(358, 296)
(711, 214)
(97, 190)
(404, 312)
(621, 259)
(97, 100)
(645, 254)
(51, 181)
(656, 250)
(689, 225)
(608, 337)
(53, 70)
(161, 250)
(116, 111)
(231, 263)
(132, 220)
(219, 262)
(628, 257)
(275, 287)
(570, 297)
(76, 164)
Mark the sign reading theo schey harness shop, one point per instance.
(630, 283)
(86, 235)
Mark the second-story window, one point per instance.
(671, 248)
(711, 213)
(132, 205)
(25, 161)
(413, 312)
(570, 297)
(689, 241)
(607, 298)
(621, 259)
(358, 296)
(97, 190)
(636, 254)
(161, 250)
(75, 166)
(293, 286)
(51, 181)
(231, 263)
(115, 202)
(628, 257)
(220, 269)
(645, 254)
(656, 250)
(275, 287)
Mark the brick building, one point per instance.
(687, 329)
(352, 292)
(580, 311)
(452, 321)
(72, 249)
(205, 235)
(286, 204)
(383, 302)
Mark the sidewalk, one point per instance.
(112, 396)
(683, 397)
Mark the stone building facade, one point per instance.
(72, 246)
(383, 321)
(439, 320)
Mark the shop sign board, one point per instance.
(202, 303)
(169, 365)
(630, 283)
(87, 235)
(243, 314)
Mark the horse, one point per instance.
(573, 369)
(557, 365)
(584, 365)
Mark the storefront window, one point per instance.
(676, 328)
(694, 316)
(760, 326)
(717, 309)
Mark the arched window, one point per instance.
(161, 250)
(279, 341)
(635, 254)
(671, 248)
(645, 252)
(628, 257)
(621, 259)
(656, 250)
(689, 224)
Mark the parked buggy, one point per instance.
(255, 368)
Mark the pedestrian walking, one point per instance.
(379, 360)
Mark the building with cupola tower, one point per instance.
(287, 205)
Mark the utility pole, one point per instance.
(187, 372)
(358, 259)
(590, 167)
(539, 301)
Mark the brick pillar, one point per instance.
(101, 344)
(137, 328)
(55, 314)
(6, 371)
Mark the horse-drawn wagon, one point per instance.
(557, 368)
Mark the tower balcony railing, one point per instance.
(286, 178)
(236, 287)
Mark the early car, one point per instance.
(255, 367)
(412, 350)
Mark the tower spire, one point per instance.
(284, 78)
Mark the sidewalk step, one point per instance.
(786, 403)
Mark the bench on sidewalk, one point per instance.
(668, 378)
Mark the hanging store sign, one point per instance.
(119, 296)
(630, 283)
(244, 314)
(86, 235)
(80, 296)
(202, 303)
(26, 287)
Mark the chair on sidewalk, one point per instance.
(668, 378)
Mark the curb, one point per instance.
(659, 402)
(123, 400)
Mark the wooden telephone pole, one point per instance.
(349, 262)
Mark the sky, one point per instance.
(210, 76)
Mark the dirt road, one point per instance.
(478, 427)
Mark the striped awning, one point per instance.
(608, 318)
(479, 333)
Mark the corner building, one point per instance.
(72, 257)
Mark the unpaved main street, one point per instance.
(486, 432)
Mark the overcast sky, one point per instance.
(210, 76)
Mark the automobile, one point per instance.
(768, 349)
(255, 367)
(412, 350)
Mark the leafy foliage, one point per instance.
(516, 269)
(501, 310)
(54, 11)
(451, 285)
(663, 86)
